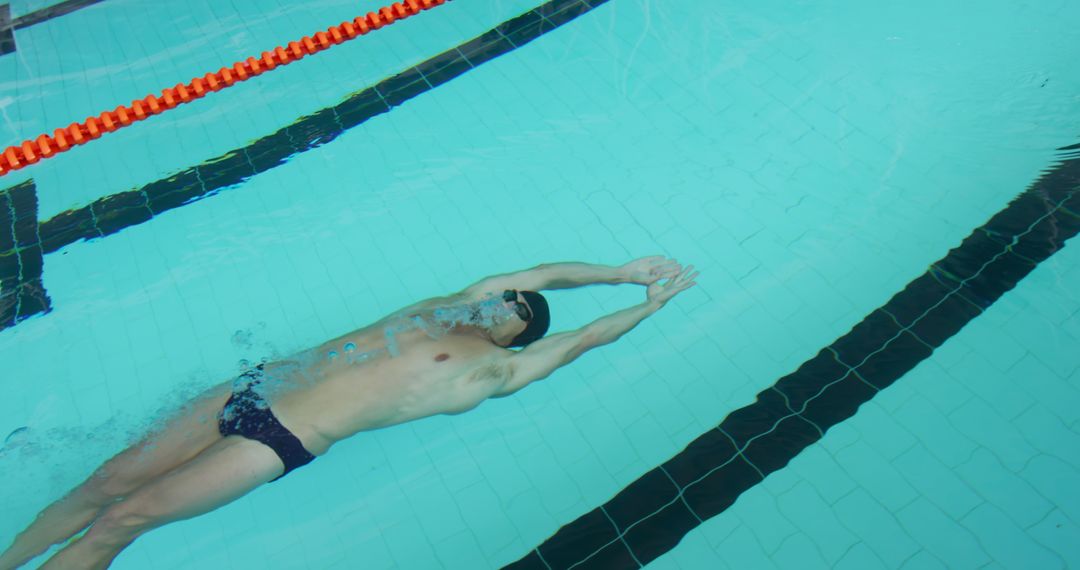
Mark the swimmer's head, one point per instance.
(531, 308)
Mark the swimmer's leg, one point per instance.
(224, 472)
(181, 438)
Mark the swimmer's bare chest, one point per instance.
(366, 386)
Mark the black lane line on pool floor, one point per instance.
(7, 34)
(21, 291)
(8, 25)
(652, 514)
(113, 213)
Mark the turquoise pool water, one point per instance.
(812, 160)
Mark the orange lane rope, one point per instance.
(45, 146)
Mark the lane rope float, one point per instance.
(46, 146)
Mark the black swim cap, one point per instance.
(537, 326)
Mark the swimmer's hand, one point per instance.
(661, 294)
(646, 270)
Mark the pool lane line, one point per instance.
(49, 12)
(22, 293)
(7, 34)
(46, 146)
(9, 25)
(651, 515)
(110, 214)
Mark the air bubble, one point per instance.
(16, 435)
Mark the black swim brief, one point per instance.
(248, 414)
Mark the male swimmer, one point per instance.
(444, 355)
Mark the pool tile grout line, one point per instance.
(647, 519)
(108, 215)
(9, 25)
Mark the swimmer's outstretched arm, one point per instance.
(567, 275)
(541, 358)
(642, 271)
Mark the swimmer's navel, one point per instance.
(442, 357)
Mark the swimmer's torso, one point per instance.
(408, 365)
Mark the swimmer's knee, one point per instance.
(119, 525)
(106, 486)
